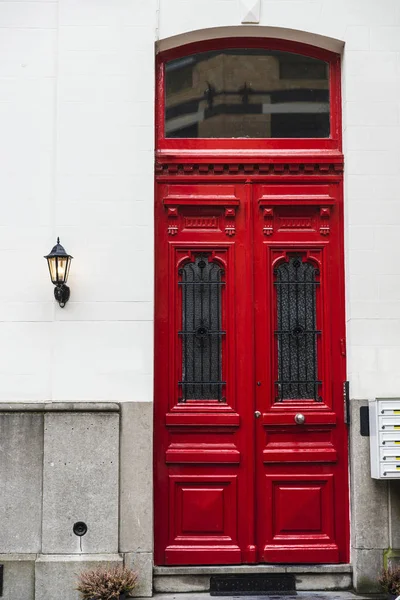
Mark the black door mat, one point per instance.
(274, 584)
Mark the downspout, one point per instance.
(157, 32)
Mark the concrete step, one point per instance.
(180, 580)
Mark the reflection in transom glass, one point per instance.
(296, 332)
(250, 93)
(201, 287)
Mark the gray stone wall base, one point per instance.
(394, 491)
(369, 497)
(369, 510)
(367, 564)
(136, 493)
(56, 575)
(19, 576)
(142, 563)
(136, 477)
(80, 482)
(21, 464)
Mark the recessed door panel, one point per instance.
(203, 517)
(300, 525)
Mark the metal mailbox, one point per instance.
(384, 424)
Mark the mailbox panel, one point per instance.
(384, 421)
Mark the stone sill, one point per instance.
(79, 558)
(236, 569)
(17, 557)
(60, 407)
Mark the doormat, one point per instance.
(253, 585)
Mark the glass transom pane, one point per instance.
(247, 93)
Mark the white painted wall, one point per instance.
(76, 148)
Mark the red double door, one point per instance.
(250, 438)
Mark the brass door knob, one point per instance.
(257, 414)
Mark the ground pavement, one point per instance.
(340, 595)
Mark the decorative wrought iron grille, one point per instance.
(297, 335)
(201, 287)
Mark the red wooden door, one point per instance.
(249, 336)
(302, 507)
(204, 438)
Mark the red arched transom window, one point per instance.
(248, 93)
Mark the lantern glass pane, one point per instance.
(68, 267)
(62, 263)
(52, 268)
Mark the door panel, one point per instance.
(204, 517)
(300, 527)
(301, 506)
(205, 454)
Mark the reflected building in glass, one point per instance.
(247, 93)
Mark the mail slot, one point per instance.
(389, 454)
(389, 408)
(389, 438)
(389, 423)
(384, 424)
(389, 471)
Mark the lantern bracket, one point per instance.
(61, 294)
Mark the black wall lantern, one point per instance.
(59, 263)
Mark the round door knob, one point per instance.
(257, 414)
(300, 419)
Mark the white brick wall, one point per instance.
(76, 150)
(104, 198)
(76, 160)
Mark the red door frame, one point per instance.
(242, 164)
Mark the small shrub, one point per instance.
(106, 583)
(389, 580)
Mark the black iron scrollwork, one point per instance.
(201, 287)
(297, 333)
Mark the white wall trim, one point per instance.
(305, 37)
